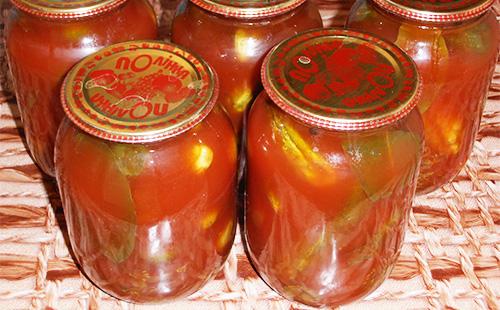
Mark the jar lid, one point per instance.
(248, 8)
(438, 11)
(340, 79)
(139, 91)
(66, 9)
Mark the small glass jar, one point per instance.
(455, 46)
(234, 37)
(333, 149)
(146, 171)
(45, 38)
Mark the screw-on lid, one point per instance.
(439, 11)
(340, 79)
(66, 9)
(139, 91)
(248, 8)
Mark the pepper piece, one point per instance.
(395, 151)
(116, 221)
(310, 164)
(429, 50)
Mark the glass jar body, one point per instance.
(41, 51)
(150, 222)
(235, 47)
(456, 62)
(326, 211)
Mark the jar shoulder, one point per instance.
(134, 19)
(473, 39)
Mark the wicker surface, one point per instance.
(450, 258)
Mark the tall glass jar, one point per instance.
(146, 169)
(455, 46)
(45, 38)
(234, 37)
(333, 149)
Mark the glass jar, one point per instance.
(146, 171)
(45, 38)
(455, 46)
(234, 37)
(333, 149)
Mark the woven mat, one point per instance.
(450, 258)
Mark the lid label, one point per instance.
(144, 62)
(132, 88)
(340, 79)
(138, 111)
(352, 75)
(122, 93)
(140, 86)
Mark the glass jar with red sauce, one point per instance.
(234, 37)
(45, 38)
(146, 168)
(333, 149)
(455, 46)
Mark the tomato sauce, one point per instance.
(234, 37)
(455, 47)
(333, 149)
(146, 169)
(45, 38)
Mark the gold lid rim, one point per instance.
(66, 13)
(434, 17)
(152, 135)
(338, 123)
(248, 12)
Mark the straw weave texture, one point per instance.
(450, 258)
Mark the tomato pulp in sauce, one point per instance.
(455, 47)
(333, 150)
(234, 37)
(45, 38)
(146, 171)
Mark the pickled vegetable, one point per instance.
(394, 151)
(456, 58)
(55, 45)
(325, 212)
(150, 202)
(241, 44)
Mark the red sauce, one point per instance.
(327, 201)
(236, 46)
(456, 61)
(153, 217)
(41, 50)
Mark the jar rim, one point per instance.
(139, 91)
(311, 76)
(436, 12)
(66, 9)
(248, 9)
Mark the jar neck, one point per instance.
(241, 14)
(51, 14)
(425, 24)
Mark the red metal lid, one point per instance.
(340, 79)
(139, 91)
(66, 9)
(248, 8)
(438, 11)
